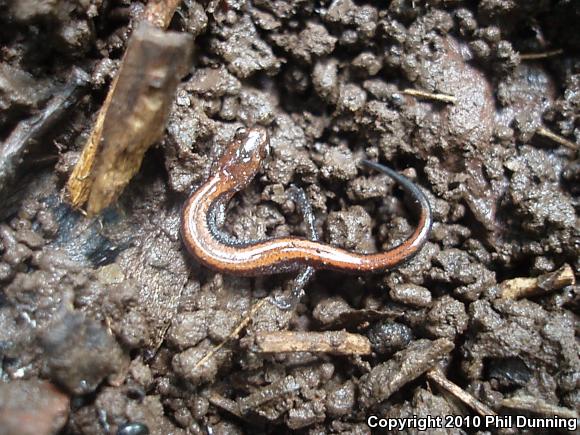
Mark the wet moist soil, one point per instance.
(104, 321)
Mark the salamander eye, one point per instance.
(241, 133)
(265, 151)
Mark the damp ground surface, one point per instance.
(104, 321)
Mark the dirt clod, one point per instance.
(79, 354)
(32, 407)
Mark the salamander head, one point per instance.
(242, 159)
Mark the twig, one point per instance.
(538, 406)
(244, 322)
(449, 99)
(542, 131)
(545, 54)
(436, 376)
(225, 404)
(157, 13)
(518, 288)
(332, 342)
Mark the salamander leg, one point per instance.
(289, 302)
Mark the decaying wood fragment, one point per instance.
(437, 377)
(332, 342)
(132, 118)
(29, 132)
(518, 288)
(160, 12)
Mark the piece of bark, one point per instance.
(132, 118)
(28, 133)
(332, 342)
(518, 288)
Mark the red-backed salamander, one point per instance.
(204, 215)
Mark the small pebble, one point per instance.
(133, 429)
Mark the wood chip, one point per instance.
(518, 288)
(332, 342)
(132, 118)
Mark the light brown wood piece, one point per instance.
(542, 131)
(132, 118)
(437, 377)
(332, 342)
(449, 99)
(518, 288)
(160, 12)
